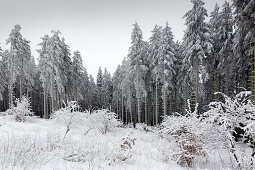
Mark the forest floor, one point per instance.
(44, 144)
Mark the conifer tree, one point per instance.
(99, 84)
(136, 57)
(196, 47)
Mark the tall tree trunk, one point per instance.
(126, 113)
(185, 98)
(227, 93)
(130, 105)
(153, 105)
(138, 110)
(122, 106)
(156, 101)
(146, 111)
(76, 89)
(20, 80)
(20, 88)
(164, 92)
(52, 99)
(252, 73)
(10, 96)
(65, 89)
(44, 104)
(197, 81)
(170, 103)
(117, 103)
(10, 87)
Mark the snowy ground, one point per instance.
(42, 144)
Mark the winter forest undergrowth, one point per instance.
(168, 105)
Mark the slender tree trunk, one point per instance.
(126, 113)
(10, 88)
(156, 101)
(10, 96)
(76, 89)
(153, 105)
(227, 93)
(44, 104)
(170, 103)
(217, 86)
(122, 106)
(20, 88)
(175, 100)
(52, 99)
(65, 89)
(146, 112)
(197, 81)
(117, 102)
(130, 105)
(185, 97)
(164, 92)
(252, 73)
(56, 98)
(252, 97)
(164, 101)
(138, 110)
(20, 80)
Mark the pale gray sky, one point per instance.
(99, 29)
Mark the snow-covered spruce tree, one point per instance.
(92, 94)
(225, 43)
(179, 78)
(85, 90)
(166, 67)
(20, 57)
(44, 70)
(107, 88)
(127, 92)
(78, 71)
(3, 78)
(52, 58)
(154, 46)
(99, 83)
(214, 30)
(66, 70)
(136, 59)
(116, 80)
(244, 38)
(197, 45)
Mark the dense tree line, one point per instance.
(157, 78)
(161, 77)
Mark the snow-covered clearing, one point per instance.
(46, 144)
(40, 144)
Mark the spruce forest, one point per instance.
(193, 92)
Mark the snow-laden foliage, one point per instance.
(21, 110)
(229, 116)
(103, 121)
(187, 132)
(69, 116)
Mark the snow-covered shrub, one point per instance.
(143, 127)
(227, 116)
(22, 109)
(69, 116)
(187, 133)
(103, 121)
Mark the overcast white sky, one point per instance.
(99, 29)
